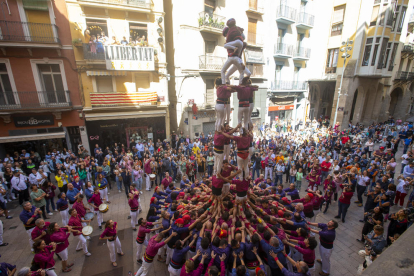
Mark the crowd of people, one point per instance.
(249, 208)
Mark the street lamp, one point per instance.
(344, 48)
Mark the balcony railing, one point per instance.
(377, 2)
(404, 76)
(146, 4)
(306, 19)
(286, 12)
(282, 49)
(211, 62)
(302, 52)
(288, 85)
(256, 5)
(211, 20)
(256, 70)
(330, 70)
(10, 100)
(411, 19)
(28, 32)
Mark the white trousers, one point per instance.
(104, 194)
(82, 243)
(134, 218)
(251, 107)
(232, 61)
(226, 152)
(325, 257)
(65, 217)
(63, 254)
(139, 249)
(112, 245)
(173, 271)
(243, 165)
(144, 269)
(148, 182)
(251, 149)
(226, 189)
(227, 112)
(234, 69)
(99, 217)
(268, 173)
(1, 232)
(51, 272)
(244, 115)
(221, 114)
(170, 253)
(29, 232)
(218, 162)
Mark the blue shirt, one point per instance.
(182, 184)
(62, 204)
(26, 215)
(160, 195)
(278, 250)
(70, 194)
(237, 251)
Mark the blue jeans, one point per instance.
(256, 171)
(174, 173)
(210, 170)
(138, 183)
(298, 184)
(279, 178)
(52, 202)
(118, 181)
(405, 148)
(402, 168)
(292, 179)
(342, 209)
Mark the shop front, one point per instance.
(281, 112)
(121, 128)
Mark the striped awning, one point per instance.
(103, 73)
(123, 98)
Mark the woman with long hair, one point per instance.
(43, 258)
(60, 236)
(110, 234)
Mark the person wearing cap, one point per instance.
(379, 153)
(160, 195)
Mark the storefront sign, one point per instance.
(109, 126)
(280, 107)
(38, 120)
(150, 135)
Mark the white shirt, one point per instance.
(400, 186)
(139, 147)
(19, 183)
(405, 161)
(40, 178)
(362, 180)
(321, 159)
(33, 179)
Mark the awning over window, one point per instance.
(46, 136)
(104, 73)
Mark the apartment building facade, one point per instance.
(197, 55)
(119, 48)
(377, 76)
(39, 94)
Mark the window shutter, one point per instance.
(252, 27)
(39, 5)
(374, 15)
(210, 92)
(338, 14)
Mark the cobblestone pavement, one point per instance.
(344, 260)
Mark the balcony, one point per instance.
(407, 51)
(404, 76)
(28, 34)
(301, 53)
(255, 7)
(330, 70)
(34, 100)
(286, 15)
(133, 5)
(283, 50)
(119, 57)
(305, 21)
(211, 63)
(285, 86)
(211, 23)
(256, 70)
(255, 40)
(122, 99)
(411, 23)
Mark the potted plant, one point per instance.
(200, 21)
(77, 42)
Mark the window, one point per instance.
(394, 21)
(281, 35)
(400, 25)
(35, 5)
(210, 47)
(387, 55)
(394, 51)
(367, 53)
(408, 68)
(296, 76)
(6, 91)
(339, 14)
(278, 74)
(252, 27)
(336, 29)
(382, 16)
(382, 52)
(209, 6)
(52, 83)
(332, 60)
(209, 92)
(253, 4)
(374, 15)
(104, 84)
(139, 33)
(374, 55)
(96, 27)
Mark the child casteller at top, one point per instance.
(235, 45)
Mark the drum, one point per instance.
(89, 216)
(152, 177)
(87, 230)
(103, 208)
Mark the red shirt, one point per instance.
(45, 258)
(76, 221)
(37, 232)
(166, 182)
(241, 185)
(217, 182)
(61, 238)
(133, 203)
(244, 92)
(346, 197)
(325, 166)
(80, 208)
(219, 139)
(108, 232)
(96, 200)
(222, 92)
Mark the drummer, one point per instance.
(143, 230)
(60, 237)
(95, 201)
(75, 222)
(80, 208)
(102, 184)
(110, 234)
(63, 206)
(134, 206)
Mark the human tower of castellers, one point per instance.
(227, 224)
